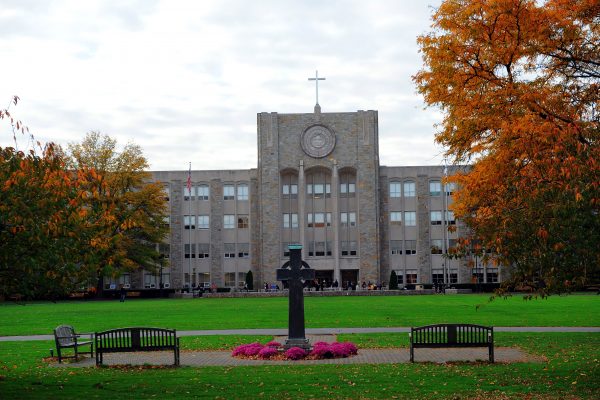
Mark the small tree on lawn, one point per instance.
(393, 281)
(249, 280)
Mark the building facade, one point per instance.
(318, 182)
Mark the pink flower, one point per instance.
(251, 349)
(267, 352)
(273, 343)
(295, 353)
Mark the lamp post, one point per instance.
(161, 258)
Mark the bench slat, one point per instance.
(452, 335)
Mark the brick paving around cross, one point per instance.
(364, 356)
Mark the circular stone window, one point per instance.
(318, 141)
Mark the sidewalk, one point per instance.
(364, 356)
(333, 331)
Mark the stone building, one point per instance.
(318, 182)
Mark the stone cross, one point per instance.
(317, 79)
(295, 272)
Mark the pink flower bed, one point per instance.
(321, 350)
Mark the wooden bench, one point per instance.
(125, 340)
(65, 338)
(452, 335)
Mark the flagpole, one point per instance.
(189, 186)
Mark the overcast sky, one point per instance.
(185, 79)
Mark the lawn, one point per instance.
(572, 371)
(328, 312)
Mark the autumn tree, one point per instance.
(518, 82)
(125, 210)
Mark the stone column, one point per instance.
(301, 201)
(335, 188)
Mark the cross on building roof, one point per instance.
(317, 79)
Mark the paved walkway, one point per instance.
(364, 356)
(333, 331)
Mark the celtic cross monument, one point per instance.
(295, 272)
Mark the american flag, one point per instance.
(189, 181)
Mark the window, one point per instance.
(409, 189)
(228, 192)
(348, 248)
(435, 188)
(289, 191)
(167, 191)
(453, 276)
(290, 220)
(164, 249)
(203, 278)
(229, 250)
(319, 249)
(396, 218)
(318, 190)
(452, 243)
(188, 194)
(243, 250)
(242, 192)
(242, 221)
(400, 276)
(189, 250)
(410, 218)
(189, 221)
(167, 220)
(396, 247)
(203, 221)
(348, 219)
(203, 192)
(395, 189)
(436, 218)
(450, 218)
(228, 221)
(411, 276)
(410, 247)
(477, 276)
(347, 185)
(230, 279)
(149, 281)
(203, 250)
(347, 189)
(437, 246)
(437, 277)
(450, 188)
(318, 220)
(492, 275)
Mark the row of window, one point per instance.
(230, 221)
(202, 192)
(435, 188)
(318, 190)
(410, 218)
(318, 220)
(321, 249)
(230, 250)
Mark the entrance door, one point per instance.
(349, 276)
(325, 276)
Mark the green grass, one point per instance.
(572, 371)
(89, 316)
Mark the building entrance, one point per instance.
(324, 277)
(349, 277)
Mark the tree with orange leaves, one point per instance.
(518, 82)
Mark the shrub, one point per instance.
(273, 343)
(251, 349)
(267, 352)
(393, 281)
(295, 353)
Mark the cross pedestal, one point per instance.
(295, 272)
